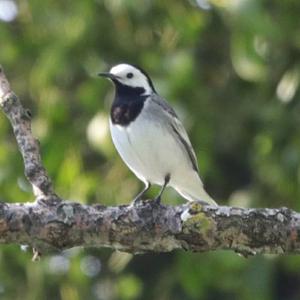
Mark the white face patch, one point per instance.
(131, 76)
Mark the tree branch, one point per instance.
(20, 119)
(53, 224)
(147, 227)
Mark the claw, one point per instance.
(137, 200)
(157, 200)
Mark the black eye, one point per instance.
(129, 75)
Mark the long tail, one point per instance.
(203, 196)
(191, 188)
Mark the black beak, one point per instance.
(107, 75)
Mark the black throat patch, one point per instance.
(127, 105)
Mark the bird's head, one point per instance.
(128, 76)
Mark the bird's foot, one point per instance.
(139, 201)
(136, 201)
(157, 200)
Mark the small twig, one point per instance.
(36, 255)
(20, 119)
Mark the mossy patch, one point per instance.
(199, 222)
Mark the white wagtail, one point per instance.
(150, 138)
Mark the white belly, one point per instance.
(152, 152)
(148, 150)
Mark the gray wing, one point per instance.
(176, 126)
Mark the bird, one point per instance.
(150, 138)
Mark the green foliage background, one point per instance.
(231, 70)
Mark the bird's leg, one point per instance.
(158, 197)
(140, 195)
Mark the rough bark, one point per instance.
(53, 224)
(148, 227)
